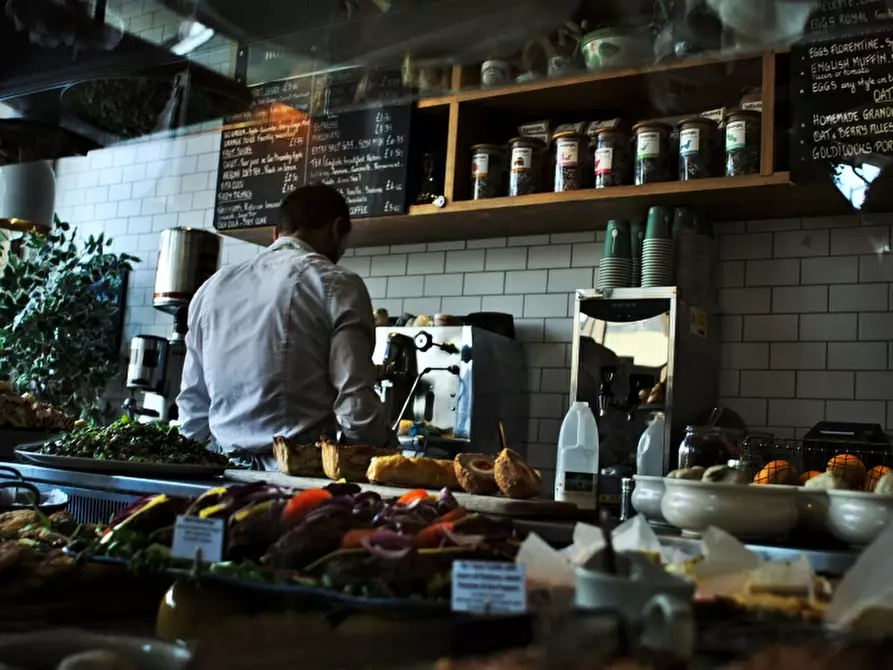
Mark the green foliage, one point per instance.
(59, 319)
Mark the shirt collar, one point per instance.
(292, 242)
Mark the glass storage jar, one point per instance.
(742, 135)
(526, 165)
(611, 162)
(652, 162)
(572, 158)
(487, 171)
(705, 446)
(698, 157)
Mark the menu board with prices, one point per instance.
(280, 146)
(263, 155)
(842, 88)
(363, 155)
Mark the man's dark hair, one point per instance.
(310, 207)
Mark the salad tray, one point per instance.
(134, 468)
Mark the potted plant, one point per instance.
(60, 319)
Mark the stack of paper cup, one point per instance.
(615, 270)
(658, 249)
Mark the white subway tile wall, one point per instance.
(807, 331)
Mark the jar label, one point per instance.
(522, 158)
(604, 160)
(648, 145)
(567, 153)
(736, 135)
(480, 166)
(689, 141)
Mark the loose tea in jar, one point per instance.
(487, 171)
(571, 161)
(612, 158)
(526, 166)
(697, 148)
(652, 162)
(742, 143)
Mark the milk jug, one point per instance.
(576, 472)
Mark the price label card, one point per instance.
(489, 587)
(192, 533)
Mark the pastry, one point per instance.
(873, 476)
(475, 473)
(696, 473)
(832, 479)
(514, 477)
(885, 486)
(723, 474)
(349, 461)
(777, 472)
(413, 471)
(303, 460)
(850, 467)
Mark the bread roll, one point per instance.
(806, 476)
(412, 471)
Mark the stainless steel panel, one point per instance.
(643, 333)
(186, 258)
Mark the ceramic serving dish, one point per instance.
(614, 47)
(751, 512)
(858, 517)
(47, 648)
(647, 494)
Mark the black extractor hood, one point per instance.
(70, 82)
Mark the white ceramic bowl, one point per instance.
(812, 510)
(857, 517)
(751, 511)
(647, 494)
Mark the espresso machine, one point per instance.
(447, 388)
(186, 258)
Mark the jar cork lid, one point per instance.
(743, 115)
(652, 125)
(533, 142)
(490, 148)
(570, 134)
(696, 121)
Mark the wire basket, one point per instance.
(768, 459)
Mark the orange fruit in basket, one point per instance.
(806, 476)
(777, 472)
(874, 475)
(850, 468)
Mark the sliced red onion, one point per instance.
(390, 540)
(381, 552)
(324, 512)
(447, 501)
(367, 497)
(462, 540)
(341, 501)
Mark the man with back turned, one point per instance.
(282, 344)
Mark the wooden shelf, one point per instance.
(721, 199)
(531, 96)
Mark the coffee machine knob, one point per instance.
(465, 354)
(423, 341)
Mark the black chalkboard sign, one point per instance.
(842, 89)
(279, 146)
(263, 155)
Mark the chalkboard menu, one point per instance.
(278, 146)
(842, 88)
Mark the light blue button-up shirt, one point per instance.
(281, 345)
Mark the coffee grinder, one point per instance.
(186, 258)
